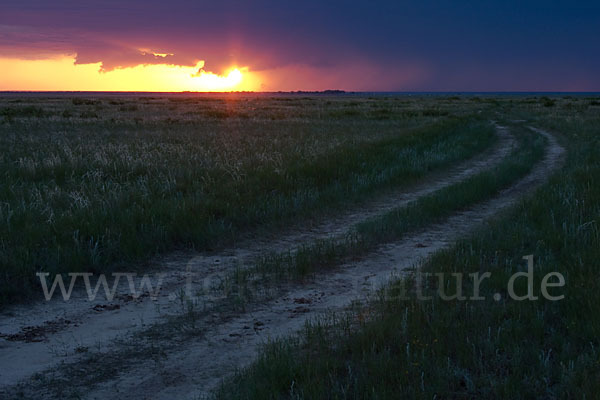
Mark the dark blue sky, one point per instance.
(405, 45)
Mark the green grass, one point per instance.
(90, 184)
(395, 347)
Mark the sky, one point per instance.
(192, 45)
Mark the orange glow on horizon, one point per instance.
(62, 74)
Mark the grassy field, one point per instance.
(400, 346)
(91, 183)
(106, 183)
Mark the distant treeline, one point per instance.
(329, 91)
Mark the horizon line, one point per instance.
(326, 92)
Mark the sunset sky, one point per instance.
(178, 45)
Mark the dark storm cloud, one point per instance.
(491, 45)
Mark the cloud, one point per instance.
(261, 35)
(111, 56)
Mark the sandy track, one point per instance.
(53, 332)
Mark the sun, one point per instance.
(234, 76)
(211, 81)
